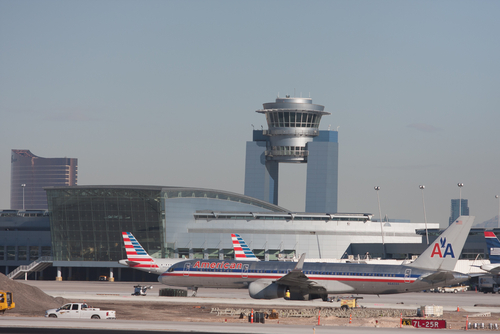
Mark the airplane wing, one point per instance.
(297, 279)
(493, 268)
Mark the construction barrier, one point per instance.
(173, 292)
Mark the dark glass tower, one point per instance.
(29, 174)
(456, 206)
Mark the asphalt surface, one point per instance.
(39, 325)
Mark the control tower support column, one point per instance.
(261, 175)
(322, 173)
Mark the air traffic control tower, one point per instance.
(294, 137)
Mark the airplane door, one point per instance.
(407, 275)
(187, 267)
(244, 272)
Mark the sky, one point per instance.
(165, 93)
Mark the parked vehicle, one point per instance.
(349, 303)
(141, 290)
(6, 301)
(455, 289)
(79, 311)
(487, 284)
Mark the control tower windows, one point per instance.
(288, 151)
(292, 119)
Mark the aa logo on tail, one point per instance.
(440, 246)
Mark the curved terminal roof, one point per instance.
(175, 192)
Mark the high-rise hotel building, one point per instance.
(30, 174)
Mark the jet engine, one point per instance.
(266, 289)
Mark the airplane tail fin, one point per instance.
(493, 246)
(445, 251)
(241, 250)
(137, 257)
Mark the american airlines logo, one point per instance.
(217, 265)
(438, 249)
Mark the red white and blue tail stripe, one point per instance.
(137, 257)
(241, 251)
(493, 246)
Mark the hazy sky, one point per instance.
(165, 92)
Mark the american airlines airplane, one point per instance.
(138, 258)
(494, 251)
(311, 280)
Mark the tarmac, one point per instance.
(122, 291)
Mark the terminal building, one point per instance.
(86, 223)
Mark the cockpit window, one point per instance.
(170, 270)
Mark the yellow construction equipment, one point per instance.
(348, 303)
(6, 301)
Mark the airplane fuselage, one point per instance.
(157, 267)
(334, 277)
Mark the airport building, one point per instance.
(84, 237)
(86, 223)
(24, 238)
(30, 174)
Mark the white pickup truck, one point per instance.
(454, 289)
(80, 311)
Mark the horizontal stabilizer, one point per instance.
(436, 277)
(441, 277)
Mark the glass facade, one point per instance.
(456, 206)
(87, 222)
(288, 150)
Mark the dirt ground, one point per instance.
(204, 313)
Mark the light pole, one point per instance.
(425, 215)
(23, 186)
(498, 221)
(460, 185)
(377, 188)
